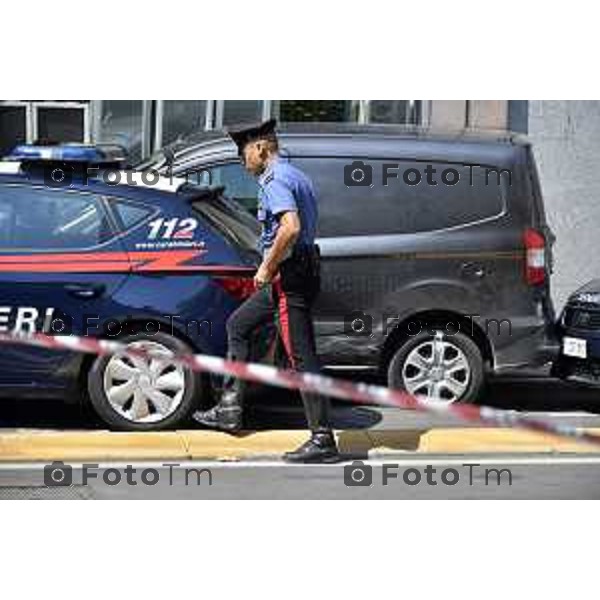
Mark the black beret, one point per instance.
(252, 133)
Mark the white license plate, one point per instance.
(574, 347)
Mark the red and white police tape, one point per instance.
(321, 384)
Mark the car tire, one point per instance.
(414, 369)
(123, 392)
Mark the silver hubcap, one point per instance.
(437, 369)
(144, 390)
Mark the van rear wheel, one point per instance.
(438, 366)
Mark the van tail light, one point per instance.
(239, 287)
(535, 260)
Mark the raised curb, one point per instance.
(39, 446)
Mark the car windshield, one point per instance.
(232, 220)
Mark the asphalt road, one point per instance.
(511, 478)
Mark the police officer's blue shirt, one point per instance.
(284, 188)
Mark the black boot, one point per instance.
(227, 414)
(321, 448)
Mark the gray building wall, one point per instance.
(566, 138)
(469, 114)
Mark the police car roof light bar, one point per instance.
(101, 154)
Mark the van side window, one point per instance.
(377, 209)
(44, 219)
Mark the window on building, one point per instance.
(66, 220)
(353, 111)
(124, 122)
(13, 127)
(393, 111)
(60, 124)
(234, 112)
(57, 121)
(181, 118)
(323, 111)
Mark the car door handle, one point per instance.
(85, 291)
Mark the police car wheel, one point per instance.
(438, 366)
(139, 394)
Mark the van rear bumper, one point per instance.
(532, 343)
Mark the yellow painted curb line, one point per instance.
(475, 441)
(36, 446)
(41, 446)
(90, 445)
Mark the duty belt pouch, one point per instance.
(300, 274)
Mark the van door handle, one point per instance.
(85, 291)
(474, 270)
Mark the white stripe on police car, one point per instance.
(27, 319)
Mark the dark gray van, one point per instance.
(436, 251)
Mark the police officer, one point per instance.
(287, 283)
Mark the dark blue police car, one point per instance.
(89, 248)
